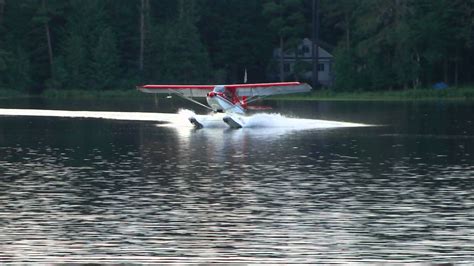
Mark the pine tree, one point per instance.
(2, 10)
(105, 61)
(286, 19)
(76, 63)
(4, 58)
(236, 40)
(45, 11)
(85, 25)
(19, 71)
(144, 25)
(185, 58)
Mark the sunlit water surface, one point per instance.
(294, 187)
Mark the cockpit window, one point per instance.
(219, 89)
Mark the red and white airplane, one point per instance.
(232, 99)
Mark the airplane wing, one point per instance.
(248, 90)
(267, 89)
(183, 90)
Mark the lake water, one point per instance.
(76, 189)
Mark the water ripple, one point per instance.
(118, 192)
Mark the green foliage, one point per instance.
(400, 44)
(184, 57)
(300, 68)
(236, 40)
(344, 66)
(95, 44)
(286, 19)
(76, 62)
(19, 71)
(105, 61)
(89, 57)
(4, 58)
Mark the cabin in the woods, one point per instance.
(297, 64)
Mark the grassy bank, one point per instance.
(12, 94)
(466, 93)
(402, 95)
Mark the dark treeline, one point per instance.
(108, 44)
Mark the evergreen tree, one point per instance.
(123, 19)
(45, 11)
(463, 28)
(96, 44)
(236, 40)
(29, 24)
(286, 19)
(144, 25)
(345, 69)
(105, 61)
(185, 58)
(85, 25)
(432, 37)
(19, 71)
(4, 58)
(2, 10)
(76, 63)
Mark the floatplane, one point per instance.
(232, 100)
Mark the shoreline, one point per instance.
(450, 94)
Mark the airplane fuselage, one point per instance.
(224, 100)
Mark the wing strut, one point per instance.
(189, 99)
(254, 98)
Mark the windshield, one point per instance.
(219, 89)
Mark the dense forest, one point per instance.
(116, 44)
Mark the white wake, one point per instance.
(180, 119)
(265, 120)
(281, 121)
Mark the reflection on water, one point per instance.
(109, 191)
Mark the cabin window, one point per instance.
(286, 67)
